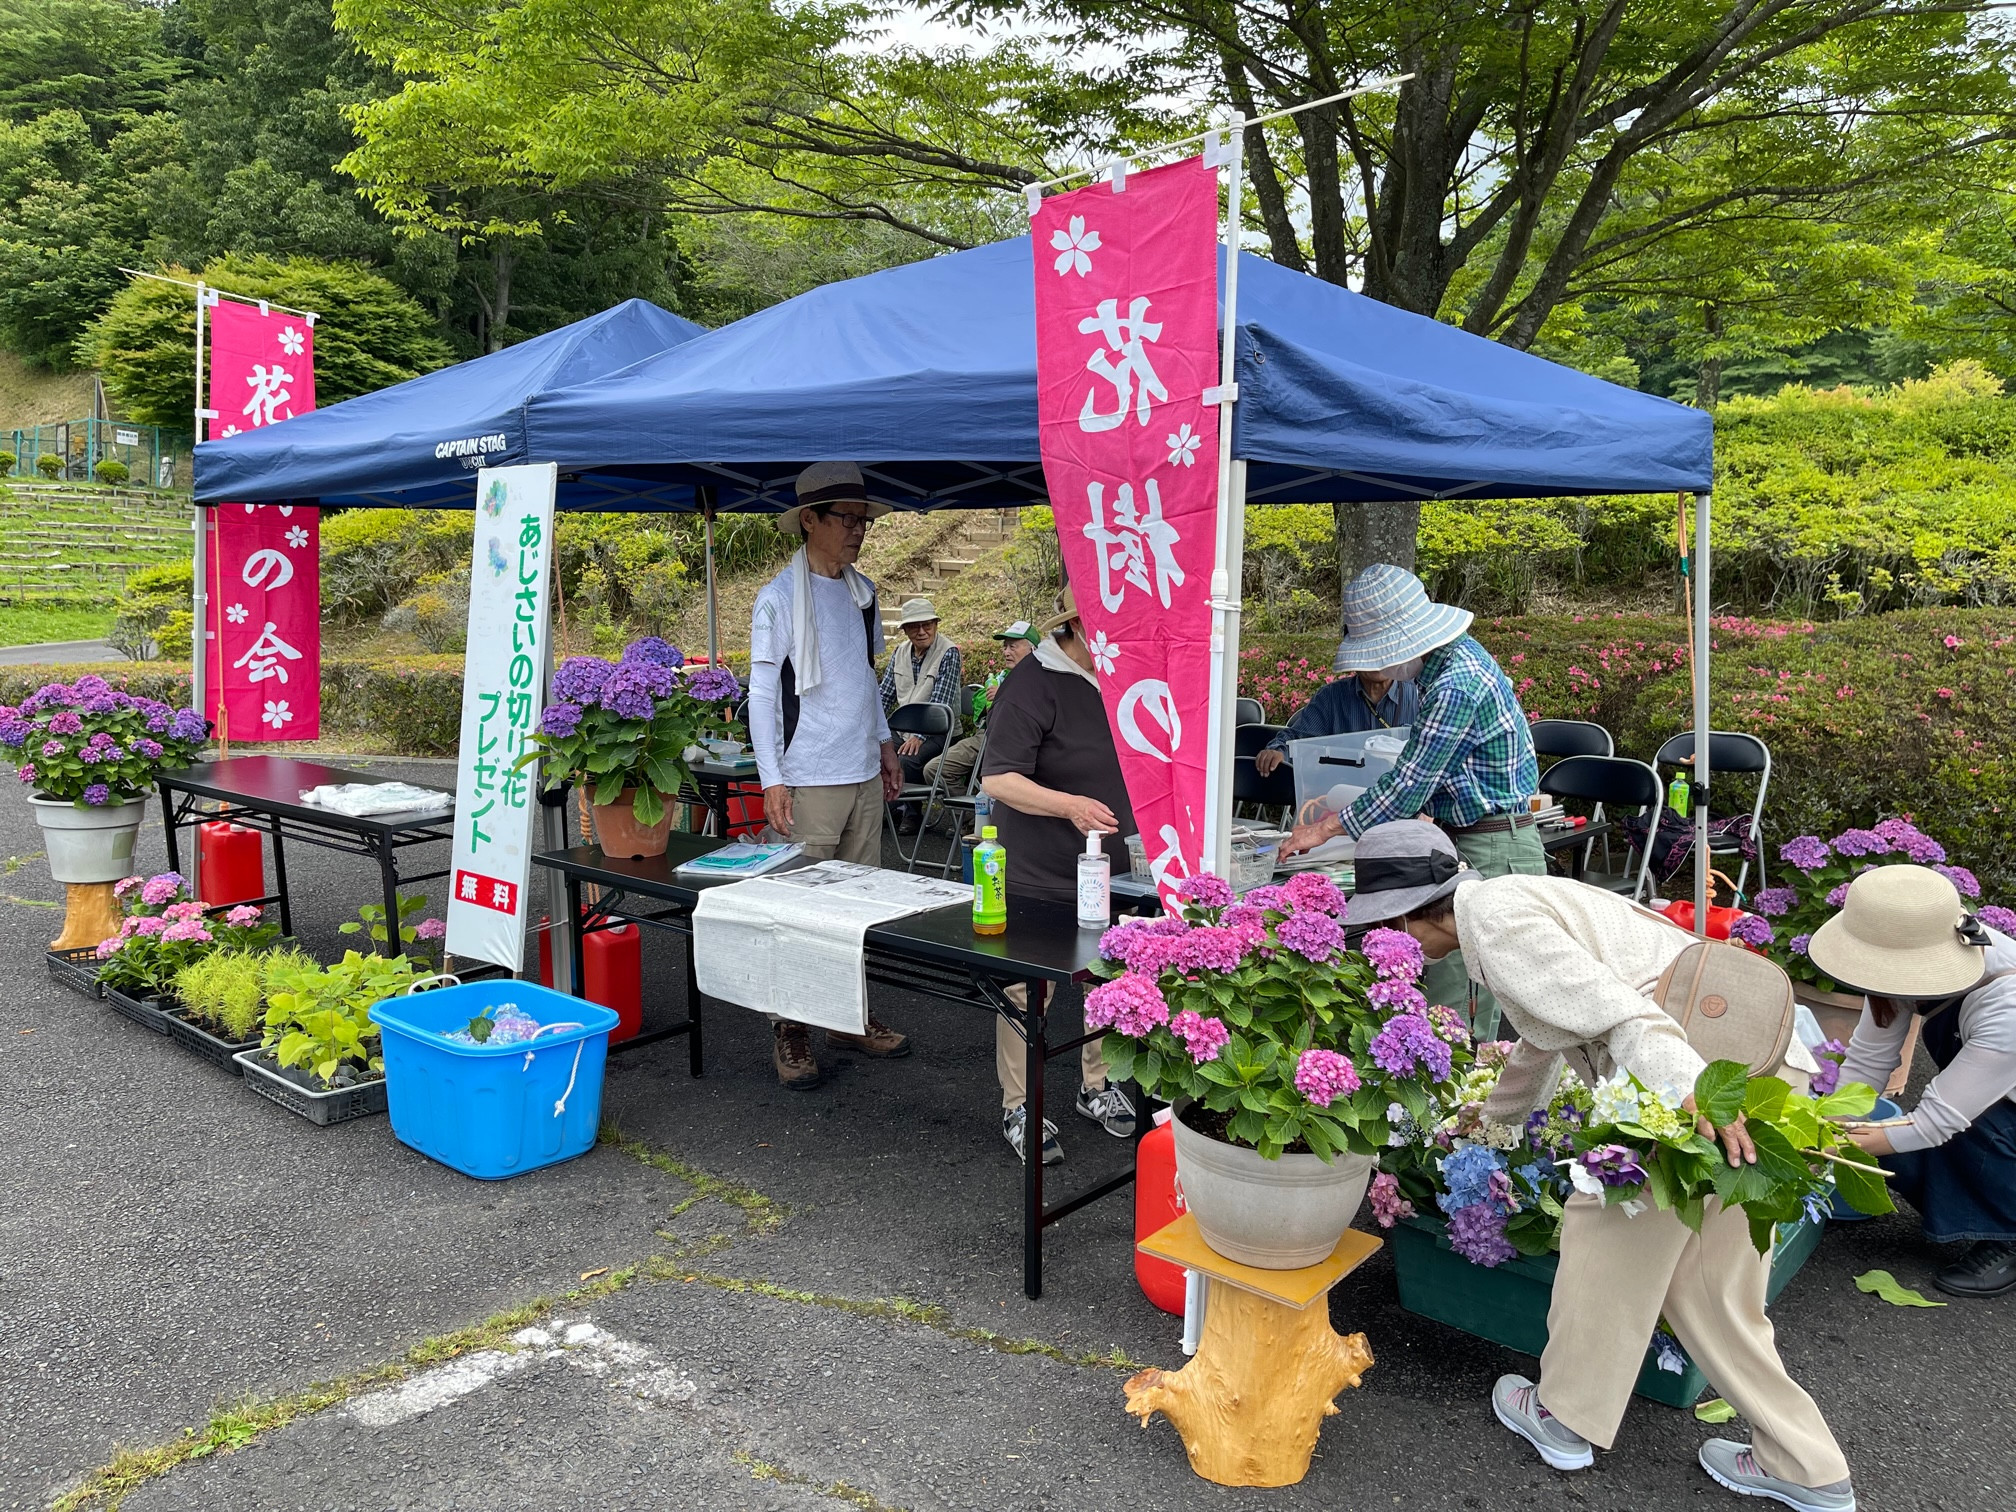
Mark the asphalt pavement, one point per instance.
(750, 1299)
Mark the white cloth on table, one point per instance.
(841, 727)
(789, 951)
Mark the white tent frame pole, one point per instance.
(199, 597)
(1702, 736)
(1231, 546)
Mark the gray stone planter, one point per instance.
(88, 844)
(1276, 1214)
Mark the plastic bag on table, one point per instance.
(370, 800)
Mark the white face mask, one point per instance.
(1407, 671)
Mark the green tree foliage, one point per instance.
(103, 59)
(370, 332)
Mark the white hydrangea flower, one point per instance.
(1615, 1100)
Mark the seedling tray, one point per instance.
(266, 1077)
(201, 1041)
(148, 1012)
(78, 970)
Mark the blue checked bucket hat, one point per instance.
(1393, 620)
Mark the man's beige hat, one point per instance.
(915, 612)
(1067, 611)
(1902, 932)
(827, 483)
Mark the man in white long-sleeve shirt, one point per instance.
(1572, 967)
(1904, 937)
(823, 750)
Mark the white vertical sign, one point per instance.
(503, 692)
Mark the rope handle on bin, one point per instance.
(559, 1107)
(428, 983)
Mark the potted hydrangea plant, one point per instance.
(1288, 1057)
(88, 754)
(165, 931)
(621, 730)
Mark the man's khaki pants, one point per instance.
(839, 823)
(1011, 1056)
(1618, 1274)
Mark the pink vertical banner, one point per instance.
(1126, 344)
(264, 635)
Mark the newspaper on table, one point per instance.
(791, 943)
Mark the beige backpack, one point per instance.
(1733, 1003)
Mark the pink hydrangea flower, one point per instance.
(1323, 1076)
(149, 925)
(1206, 890)
(242, 915)
(1210, 947)
(1131, 1004)
(1315, 892)
(186, 931)
(108, 948)
(125, 885)
(160, 889)
(185, 910)
(431, 929)
(1388, 1206)
(1202, 1037)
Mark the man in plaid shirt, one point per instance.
(1469, 761)
(928, 670)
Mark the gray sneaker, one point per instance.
(1516, 1400)
(1015, 1129)
(1108, 1107)
(1735, 1467)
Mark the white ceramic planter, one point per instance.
(1276, 1214)
(89, 844)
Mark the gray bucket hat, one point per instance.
(1403, 865)
(1392, 620)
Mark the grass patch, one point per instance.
(853, 1496)
(760, 1214)
(32, 624)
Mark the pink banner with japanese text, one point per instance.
(1126, 345)
(264, 630)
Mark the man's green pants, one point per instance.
(1495, 853)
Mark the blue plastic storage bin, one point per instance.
(493, 1111)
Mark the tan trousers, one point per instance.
(1618, 1274)
(1011, 1061)
(839, 823)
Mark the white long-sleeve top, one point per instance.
(1981, 1075)
(841, 726)
(1572, 966)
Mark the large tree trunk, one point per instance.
(1368, 533)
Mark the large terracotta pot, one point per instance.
(1839, 1012)
(88, 844)
(1276, 1214)
(620, 833)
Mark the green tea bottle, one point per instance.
(990, 885)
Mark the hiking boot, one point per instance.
(791, 1054)
(879, 1040)
(1015, 1128)
(1735, 1467)
(1988, 1269)
(1108, 1107)
(1516, 1400)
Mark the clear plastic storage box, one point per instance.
(1332, 770)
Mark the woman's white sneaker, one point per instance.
(1516, 1400)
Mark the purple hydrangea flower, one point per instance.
(1397, 996)
(1394, 953)
(1202, 1037)
(92, 753)
(1477, 1233)
(14, 731)
(1968, 884)
(560, 720)
(104, 703)
(633, 689)
(187, 725)
(1808, 852)
(65, 723)
(88, 685)
(1752, 930)
(1130, 1005)
(1205, 890)
(714, 685)
(1922, 849)
(148, 749)
(1830, 1054)
(97, 795)
(159, 719)
(51, 749)
(1315, 892)
(1144, 945)
(1315, 936)
(1323, 1076)
(25, 771)
(579, 679)
(1798, 943)
(1861, 842)
(655, 651)
(1998, 918)
(1776, 902)
(1836, 896)
(1614, 1165)
(1408, 1045)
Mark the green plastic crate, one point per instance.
(1507, 1304)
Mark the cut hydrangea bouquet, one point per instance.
(1252, 1011)
(626, 724)
(165, 930)
(90, 744)
(1502, 1189)
(1820, 871)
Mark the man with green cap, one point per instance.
(1468, 764)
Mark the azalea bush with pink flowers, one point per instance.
(167, 930)
(1252, 1010)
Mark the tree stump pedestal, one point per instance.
(90, 914)
(1268, 1366)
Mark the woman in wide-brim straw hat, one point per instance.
(1468, 764)
(1905, 940)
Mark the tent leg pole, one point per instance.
(1230, 566)
(713, 603)
(1702, 762)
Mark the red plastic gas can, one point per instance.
(230, 863)
(1157, 1204)
(612, 972)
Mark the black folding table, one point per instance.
(934, 953)
(264, 792)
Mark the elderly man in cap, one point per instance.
(956, 765)
(1352, 703)
(1574, 967)
(1906, 940)
(1469, 761)
(927, 671)
(823, 750)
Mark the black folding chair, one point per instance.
(1729, 751)
(1607, 781)
(1275, 791)
(1571, 737)
(1248, 711)
(927, 720)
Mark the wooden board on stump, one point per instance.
(1268, 1367)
